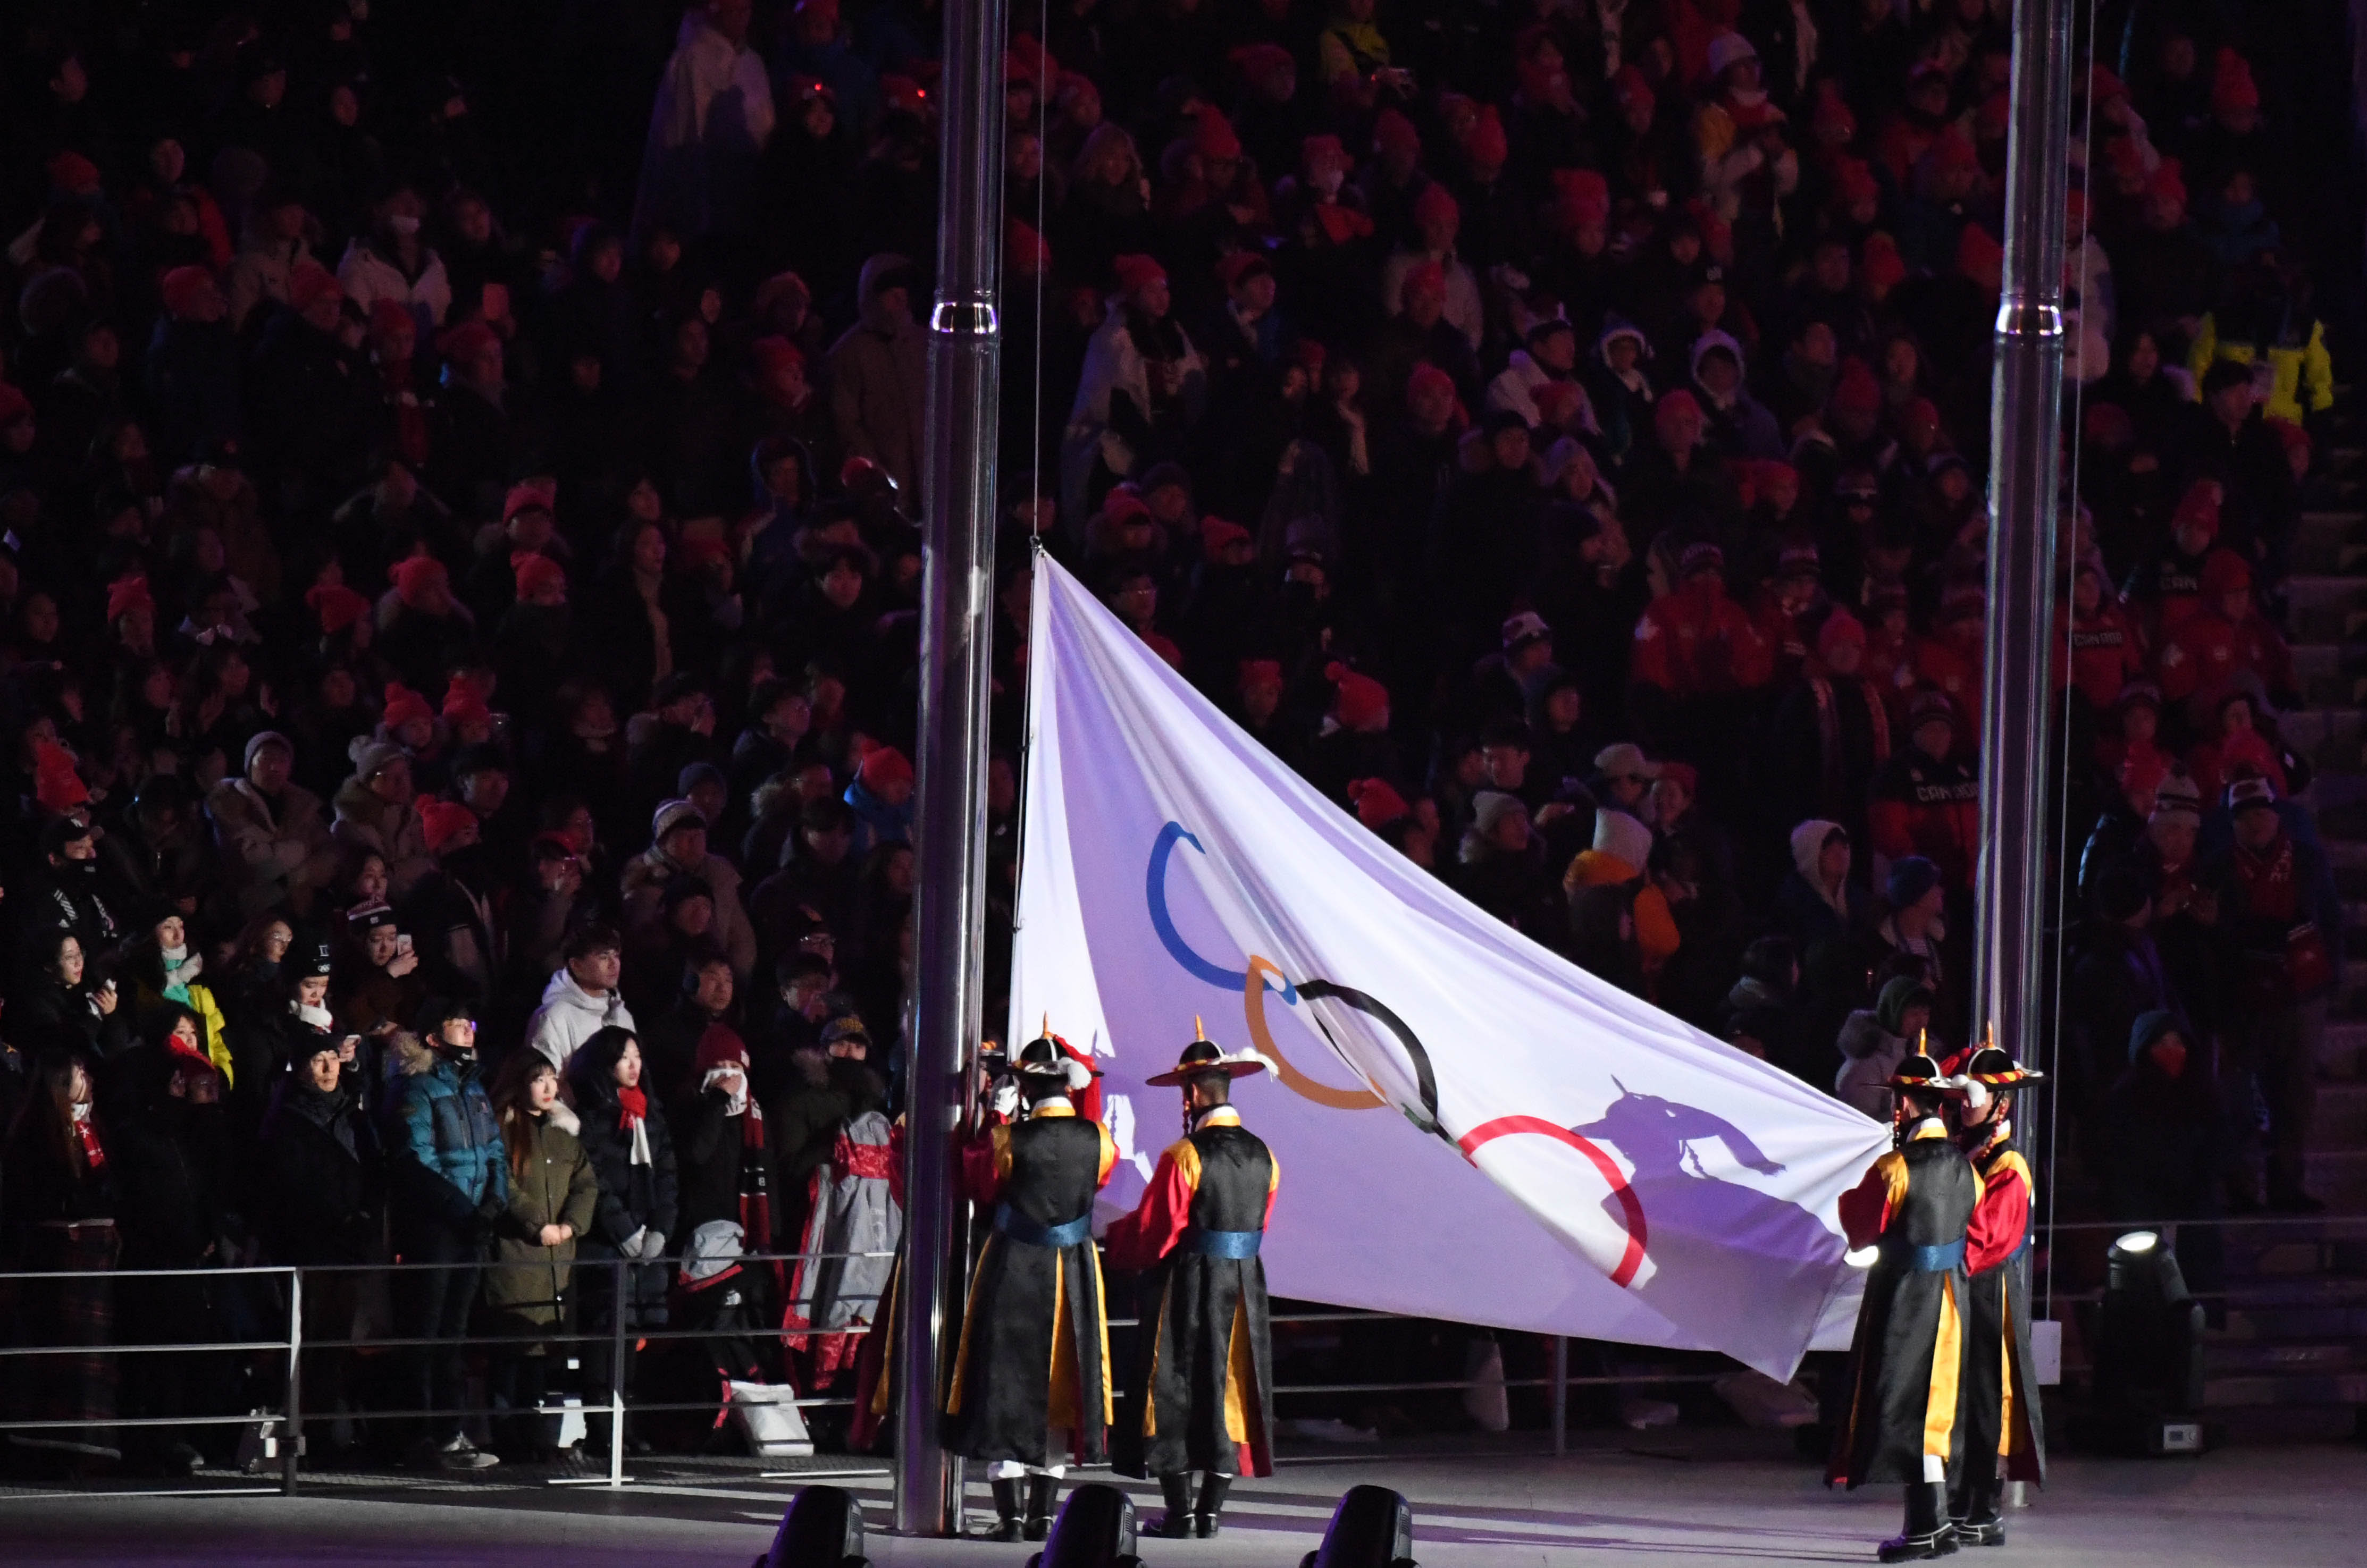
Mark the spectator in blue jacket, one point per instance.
(452, 1184)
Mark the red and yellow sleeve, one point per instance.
(1273, 1185)
(986, 1164)
(1142, 1238)
(1867, 1208)
(2003, 1217)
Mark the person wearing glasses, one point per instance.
(450, 1185)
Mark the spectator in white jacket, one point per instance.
(712, 117)
(392, 262)
(582, 998)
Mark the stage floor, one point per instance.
(1691, 1499)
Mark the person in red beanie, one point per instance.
(1355, 740)
(194, 372)
(1831, 731)
(1143, 387)
(2226, 639)
(880, 796)
(426, 631)
(2165, 589)
(1436, 221)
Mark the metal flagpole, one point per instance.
(957, 492)
(2025, 419)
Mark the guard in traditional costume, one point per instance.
(1203, 1381)
(1907, 1357)
(1033, 1370)
(2002, 1422)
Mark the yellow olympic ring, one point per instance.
(1253, 1004)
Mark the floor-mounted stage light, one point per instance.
(2148, 1352)
(823, 1528)
(1372, 1527)
(1096, 1529)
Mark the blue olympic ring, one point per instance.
(1155, 895)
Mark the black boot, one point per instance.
(1006, 1511)
(1043, 1490)
(1213, 1488)
(1176, 1523)
(1978, 1522)
(1927, 1534)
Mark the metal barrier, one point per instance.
(619, 1335)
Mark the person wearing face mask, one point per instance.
(450, 1188)
(160, 968)
(393, 262)
(324, 1199)
(65, 894)
(631, 1150)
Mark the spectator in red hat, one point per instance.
(427, 629)
(2226, 639)
(1948, 659)
(880, 796)
(1436, 221)
(1354, 741)
(1696, 652)
(193, 370)
(1143, 387)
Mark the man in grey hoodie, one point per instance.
(1873, 1044)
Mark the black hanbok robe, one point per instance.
(1907, 1361)
(1035, 1341)
(1202, 1386)
(2001, 1410)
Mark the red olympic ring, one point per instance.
(1631, 1208)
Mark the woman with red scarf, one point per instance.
(61, 1194)
(631, 1150)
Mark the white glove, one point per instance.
(652, 1244)
(1006, 1099)
(632, 1247)
(1081, 1076)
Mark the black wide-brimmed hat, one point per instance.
(1995, 1066)
(1204, 1055)
(1920, 1072)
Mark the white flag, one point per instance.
(1468, 1126)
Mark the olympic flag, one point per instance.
(1470, 1127)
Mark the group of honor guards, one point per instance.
(1941, 1396)
(1032, 1390)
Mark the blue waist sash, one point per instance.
(1027, 1232)
(1925, 1259)
(1221, 1244)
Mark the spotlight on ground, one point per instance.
(1096, 1529)
(2148, 1352)
(1372, 1527)
(823, 1528)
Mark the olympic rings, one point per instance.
(1253, 1003)
(1631, 1208)
(1155, 895)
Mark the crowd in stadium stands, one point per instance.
(460, 480)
